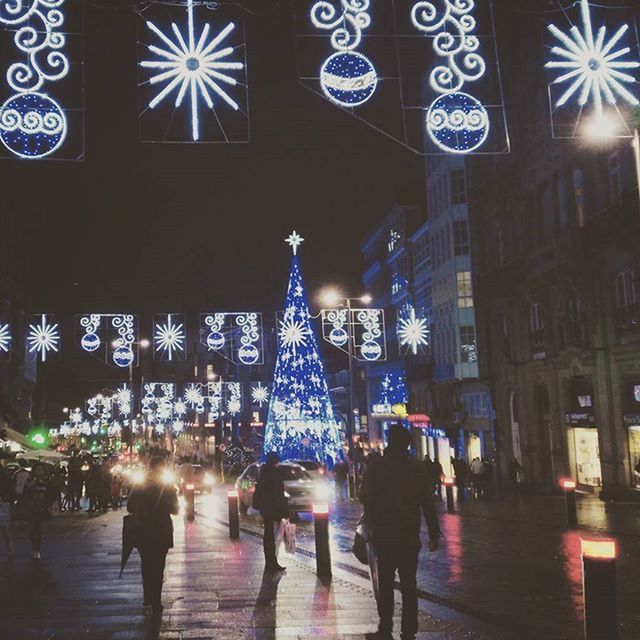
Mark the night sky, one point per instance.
(156, 228)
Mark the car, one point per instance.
(314, 468)
(299, 487)
(197, 475)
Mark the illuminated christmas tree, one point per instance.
(301, 423)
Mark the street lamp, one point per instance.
(332, 298)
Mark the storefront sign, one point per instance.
(631, 419)
(580, 419)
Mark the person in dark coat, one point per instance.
(153, 503)
(270, 500)
(40, 494)
(396, 489)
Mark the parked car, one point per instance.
(197, 475)
(315, 469)
(299, 487)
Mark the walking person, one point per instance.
(40, 494)
(396, 489)
(477, 477)
(6, 500)
(153, 503)
(270, 500)
(461, 470)
(340, 473)
(94, 482)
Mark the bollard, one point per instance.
(321, 527)
(569, 487)
(599, 580)
(234, 519)
(190, 498)
(448, 484)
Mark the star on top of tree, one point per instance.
(294, 241)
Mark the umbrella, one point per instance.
(129, 539)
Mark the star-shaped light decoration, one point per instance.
(294, 241)
(43, 337)
(169, 337)
(5, 338)
(413, 332)
(593, 67)
(259, 394)
(192, 65)
(293, 333)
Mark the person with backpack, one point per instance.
(396, 491)
(6, 500)
(270, 500)
(152, 505)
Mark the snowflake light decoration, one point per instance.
(293, 333)
(169, 337)
(413, 332)
(259, 394)
(43, 337)
(594, 67)
(193, 397)
(5, 338)
(193, 66)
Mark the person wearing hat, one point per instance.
(396, 492)
(270, 500)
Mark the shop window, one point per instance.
(536, 327)
(634, 452)
(461, 237)
(627, 309)
(465, 290)
(588, 457)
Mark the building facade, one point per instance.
(556, 227)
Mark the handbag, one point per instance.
(289, 537)
(279, 534)
(362, 536)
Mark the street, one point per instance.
(503, 572)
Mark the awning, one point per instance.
(17, 441)
(46, 455)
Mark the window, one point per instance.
(579, 196)
(625, 288)
(468, 352)
(465, 290)
(536, 327)
(458, 186)
(461, 237)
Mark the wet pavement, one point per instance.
(214, 588)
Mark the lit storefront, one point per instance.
(631, 403)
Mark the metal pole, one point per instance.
(321, 529)
(234, 519)
(350, 422)
(600, 600)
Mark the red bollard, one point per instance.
(599, 579)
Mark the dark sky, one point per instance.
(144, 228)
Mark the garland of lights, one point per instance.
(32, 124)
(347, 77)
(193, 66)
(456, 122)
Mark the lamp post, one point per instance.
(333, 298)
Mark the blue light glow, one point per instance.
(594, 68)
(43, 336)
(456, 122)
(300, 423)
(32, 123)
(194, 66)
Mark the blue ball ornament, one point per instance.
(348, 78)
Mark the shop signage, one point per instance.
(399, 410)
(631, 419)
(580, 419)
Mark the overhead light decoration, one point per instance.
(259, 394)
(194, 398)
(456, 121)
(125, 326)
(91, 325)
(347, 77)
(593, 66)
(5, 337)
(197, 66)
(32, 124)
(169, 336)
(43, 336)
(413, 332)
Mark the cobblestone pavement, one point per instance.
(214, 588)
(512, 563)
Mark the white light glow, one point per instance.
(5, 338)
(294, 241)
(169, 337)
(259, 394)
(43, 337)
(413, 332)
(192, 65)
(591, 65)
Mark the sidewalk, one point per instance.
(214, 588)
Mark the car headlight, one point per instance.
(137, 476)
(168, 476)
(208, 480)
